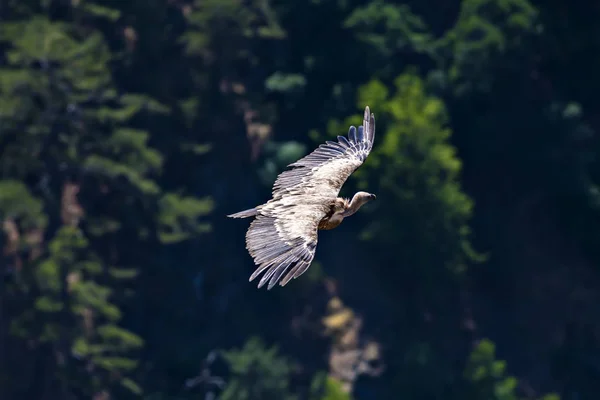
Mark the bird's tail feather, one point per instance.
(245, 214)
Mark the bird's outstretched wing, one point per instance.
(283, 237)
(325, 170)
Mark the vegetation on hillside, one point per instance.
(130, 129)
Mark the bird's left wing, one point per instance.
(283, 238)
(324, 171)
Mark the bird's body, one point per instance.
(334, 216)
(283, 237)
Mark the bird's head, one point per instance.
(358, 200)
(364, 197)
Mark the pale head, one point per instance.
(358, 200)
(363, 197)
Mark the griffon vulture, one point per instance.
(283, 237)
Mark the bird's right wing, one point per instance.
(324, 171)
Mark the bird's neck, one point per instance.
(351, 206)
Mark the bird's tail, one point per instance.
(245, 214)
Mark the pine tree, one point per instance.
(257, 372)
(76, 151)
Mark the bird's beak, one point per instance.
(373, 197)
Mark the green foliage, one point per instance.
(64, 123)
(415, 172)
(214, 19)
(179, 216)
(72, 307)
(488, 374)
(489, 377)
(402, 29)
(129, 129)
(279, 82)
(17, 202)
(257, 373)
(333, 391)
(328, 388)
(484, 30)
(98, 11)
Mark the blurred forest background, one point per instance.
(129, 129)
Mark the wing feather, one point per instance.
(326, 169)
(278, 243)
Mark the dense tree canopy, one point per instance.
(129, 129)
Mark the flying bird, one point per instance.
(282, 239)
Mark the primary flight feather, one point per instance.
(283, 237)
